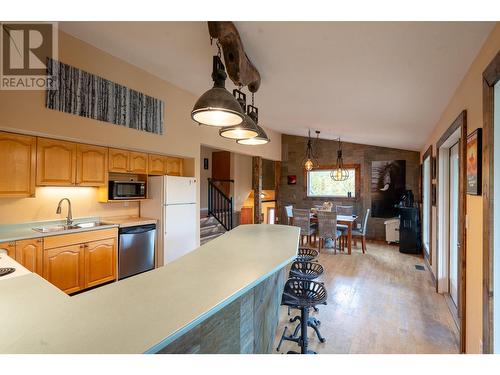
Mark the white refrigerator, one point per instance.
(172, 201)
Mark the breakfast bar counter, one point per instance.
(225, 294)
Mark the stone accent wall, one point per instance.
(293, 152)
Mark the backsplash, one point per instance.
(43, 206)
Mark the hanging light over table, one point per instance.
(310, 161)
(217, 107)
(261, 138)
(247, 129)
(339, 173)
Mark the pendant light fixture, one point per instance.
(217, 107)
(261, 138)
(339, 173)
(247, 129)
(310, 162)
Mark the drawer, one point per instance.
(80, 237)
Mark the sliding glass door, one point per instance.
(426, 204)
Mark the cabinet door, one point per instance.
(174, 166)
(118, 160)
(100, 262)
(65, 267)
(29, 254)
(18, 165)
(55, 162)
(157, 165)
(10, 248)
(138, 162)
(91, 165)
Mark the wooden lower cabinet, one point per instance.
(9, 247)
(65, 267)
(78, 261)
(100, 262)
(29, 254)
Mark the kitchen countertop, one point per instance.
(144, 313)
(14, 232)
(8, 262)
(128, 221)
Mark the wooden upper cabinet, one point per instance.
(55, 162)
(29, 254)
(118, 160)
(157, 165)
(17, 165)
(174, 166)
(65, 267)
(138, 162)
(10, 247)
(91, 165)
(100, 262)
(123, 161)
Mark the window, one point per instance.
(320, 184)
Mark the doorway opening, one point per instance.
(491, 214)
(451, 220)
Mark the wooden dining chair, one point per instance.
(289, 214)
(302, 219)
(356, 233)
(344, 210)
(327, 228)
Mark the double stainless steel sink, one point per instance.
(62, 228)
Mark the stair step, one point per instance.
(205, 231)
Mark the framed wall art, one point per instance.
(474, 165)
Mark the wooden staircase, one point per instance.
(210, 229)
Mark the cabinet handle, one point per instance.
(82, 246)
(39, 240)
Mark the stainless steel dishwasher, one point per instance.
(136, 250)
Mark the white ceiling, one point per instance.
(378, 83)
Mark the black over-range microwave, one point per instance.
(127, 189)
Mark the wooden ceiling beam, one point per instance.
(239, 67)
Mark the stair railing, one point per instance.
(220, 206)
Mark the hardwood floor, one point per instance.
(378, 302)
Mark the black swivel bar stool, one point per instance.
(302, 294)
(307, 271)
(306, 254)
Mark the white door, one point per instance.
(180, 231)
(180, 190)
(496, 221)
(453, 250)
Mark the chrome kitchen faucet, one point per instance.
(69, 218)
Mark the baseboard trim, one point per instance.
(434, 280)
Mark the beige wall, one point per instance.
(205, 174)
(24, 111)
(469, 96)
(43, 206)
(241, 173)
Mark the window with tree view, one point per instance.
(320, 184)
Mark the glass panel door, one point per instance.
(426, 172)
(496, 221)
(453, 255)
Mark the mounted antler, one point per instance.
(239, 67)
